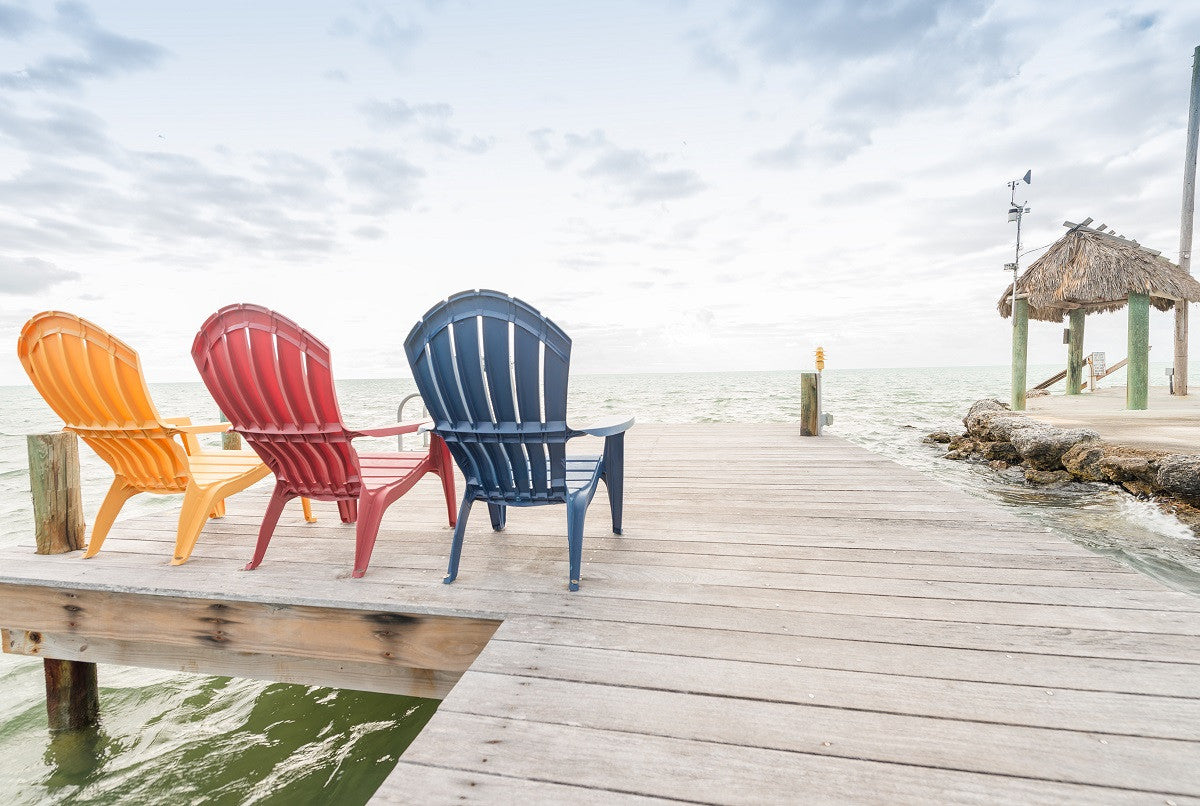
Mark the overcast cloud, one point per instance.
(682, 185)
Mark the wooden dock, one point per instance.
(786, 619)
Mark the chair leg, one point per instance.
(270, 518)
(218, 510)
(456, 546)
(197, 503)
(348, 509)
(576, 512)
(445, 470)
(499, 514)
(370, 513)
(308, 516)
(614, 477)
(117, 495)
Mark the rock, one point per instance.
(1037, 393)
(956, 455)
(1123, 468)
(997, 426)
(998, 464)
(939, 437)
(1043, 446)
(1180, 475)
(1003, 452)
(963, 444)
(1139, 488)
(1035, 476)
(1083, 461)
(980, 406)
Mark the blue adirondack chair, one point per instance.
(493, 373)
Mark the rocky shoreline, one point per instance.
(1051, 455)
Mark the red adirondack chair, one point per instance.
(274, 382)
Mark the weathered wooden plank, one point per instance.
(276, 579)
(408, 553)
(394, 637)
(858, 654)
(423, 785)
(1050, 755)
(359, 674)
(712, 771)
(1028, 705)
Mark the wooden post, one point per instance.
(1185, 226)
(72, 699)
(1075, 353)
(54, 480)
(1020, 352)
(230, 440)
(810, 404)
(1137, 372)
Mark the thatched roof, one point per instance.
(1097, 271)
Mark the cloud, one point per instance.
(829, 143)
(711, 57)
(388, 181)
(339, 76)
(637, 175)
(15, 22)
(30, 275)
(382, 32)
(63, 129)
(870, 62)
(104, 54)
(432, 121)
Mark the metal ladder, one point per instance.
(400, 419)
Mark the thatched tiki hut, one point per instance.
(1090, 270)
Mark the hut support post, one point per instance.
(72, 697)
(1075, 353)
(1020, 352)
(1137, 383)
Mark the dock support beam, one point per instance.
(72, 697)
(1137, 377)
(1020, 352)
(1075, 353)
(810, 404)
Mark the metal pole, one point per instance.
(1185, 228)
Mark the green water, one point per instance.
(215, 740)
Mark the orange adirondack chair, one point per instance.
(94, 382)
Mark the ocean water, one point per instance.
(181, 739)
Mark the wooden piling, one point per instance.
(1075, 353)
(54, 480)
(72, 698)
(230, 440)
(1185, 226)
(1020, 352)
(1137, 383)
(810, 404)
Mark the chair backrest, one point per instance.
(94, 382)
(274, 381)
(493, 373)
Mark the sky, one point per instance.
(683, 186)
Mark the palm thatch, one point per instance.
(1097, 271)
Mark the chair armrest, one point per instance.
(606, 426)
(391, 430)
(206, 428)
